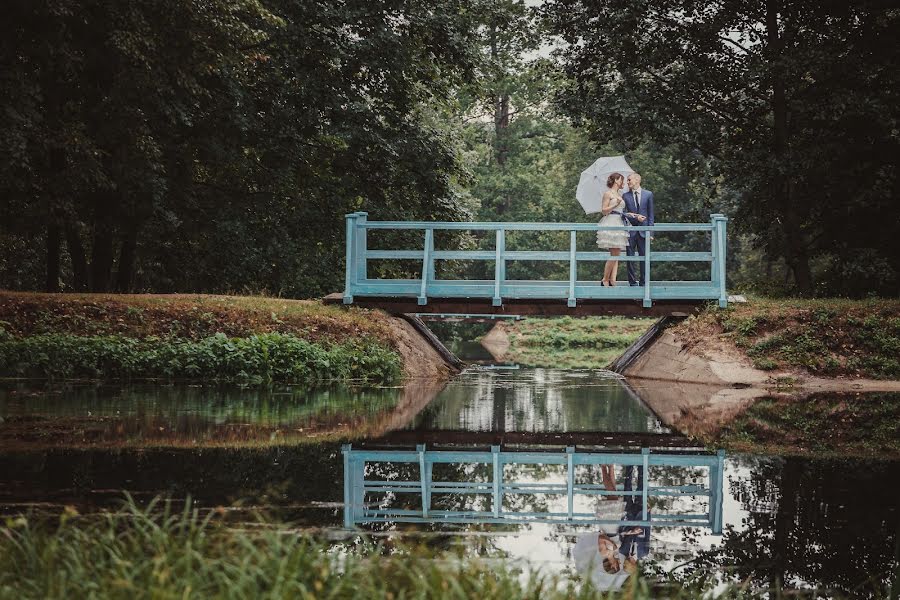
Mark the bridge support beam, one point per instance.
(526, 307)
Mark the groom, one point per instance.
(639, 204)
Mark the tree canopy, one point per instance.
(215, 146)
(793, 102)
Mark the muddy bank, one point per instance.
(714, 362)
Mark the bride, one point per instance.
(613, 209)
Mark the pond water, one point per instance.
(812, 523)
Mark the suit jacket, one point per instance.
(646, 209)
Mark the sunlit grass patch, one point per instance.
(568, 342)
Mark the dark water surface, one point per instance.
(807, 522)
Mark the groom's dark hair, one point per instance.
(612, 179)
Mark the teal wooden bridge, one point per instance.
(359, 508)
(427, 293)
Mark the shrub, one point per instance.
(270, 357)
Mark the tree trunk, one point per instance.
(501, 109)
(53, 247)
(125, 272)
(78, 257)
(785, 517)
(796, 250)
(101, 258)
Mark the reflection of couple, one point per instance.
(607, 563)
(635, 207)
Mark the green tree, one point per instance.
(216, 146)
(793, 102)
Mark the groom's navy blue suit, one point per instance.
(637, 240)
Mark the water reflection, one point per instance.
(812, 523)
(544, 400)
(181, 415)
(613, 493)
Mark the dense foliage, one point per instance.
(264, 358)
(794, 103)
(173, 146)
(185, 146)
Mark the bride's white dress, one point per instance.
(613, 239)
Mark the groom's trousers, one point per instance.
(637, 246)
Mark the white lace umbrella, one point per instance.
(593, 181)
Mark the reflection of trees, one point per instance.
(280, 478)
(536, 401)
(258, 406)
(824, 523)
(189, 416)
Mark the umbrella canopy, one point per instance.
(593, 181)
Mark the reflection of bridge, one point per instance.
(571, 295)
(358, 489)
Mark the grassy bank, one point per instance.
(220, 338)
(824, 337)
(572, 343)
(151, 553)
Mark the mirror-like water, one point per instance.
(809, 522)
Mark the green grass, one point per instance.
(566, 342)
(829, 337)
(264, 358)
(199, 337)
(157, 553)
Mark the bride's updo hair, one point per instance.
(613, 178)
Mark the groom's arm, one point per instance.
(650, 219)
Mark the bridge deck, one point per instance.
(534, 307)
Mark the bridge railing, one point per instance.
(358, 283)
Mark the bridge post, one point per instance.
(645, 473)
(499, 267)
(719, 222)
(570, 479)
(647, 301)
(362, 270)
(497, 501)
(350, 276)
(427, 266)
(573, 269)
(716, 485)
(349, 515)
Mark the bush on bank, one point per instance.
(269, 357)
